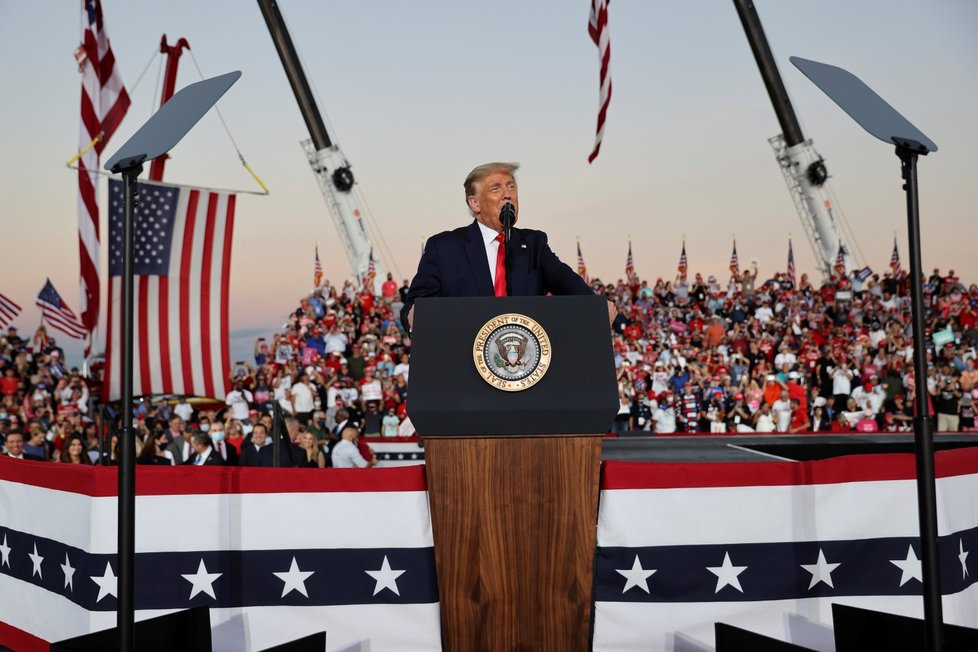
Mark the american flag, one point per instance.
(734, 261)
(371, 275)
(372, 585)
(581, 267)
(791, 265)
(104, 103)
(182, 265)
(317, 275)
(840, 261)
(8, 311)
(739, 549)
(629, 263)
(597, 28)
(895, 260)
(57, 313)
(683, 263)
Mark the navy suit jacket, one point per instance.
(454, 264)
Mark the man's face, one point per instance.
(490, 194)
(15, 443)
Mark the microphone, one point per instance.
(507, 215)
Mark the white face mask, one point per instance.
(247, 428)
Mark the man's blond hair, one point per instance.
(482, 171)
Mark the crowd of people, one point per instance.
(767, 356)
(693, 356)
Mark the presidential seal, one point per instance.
(511, 352)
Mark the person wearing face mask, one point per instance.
(664, 416)
(224, 449)
(738, 415)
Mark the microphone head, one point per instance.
(507, 212)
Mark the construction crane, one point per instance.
(330, 166)
(803, 168)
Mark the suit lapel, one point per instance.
(475, 250)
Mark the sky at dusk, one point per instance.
(417, 94)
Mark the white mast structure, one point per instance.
(803, 168)
(328, 162)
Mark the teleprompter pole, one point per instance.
(923, 433)
(126, 613)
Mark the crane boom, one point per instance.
(803, 168)
(328, 163)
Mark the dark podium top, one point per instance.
(577, 395)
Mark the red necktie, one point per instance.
(500, 288)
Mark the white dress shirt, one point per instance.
(492, 249)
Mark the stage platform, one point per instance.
(645, 447)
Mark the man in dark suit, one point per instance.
(468, 262)
(182, 449)
(255, 452)
(225, 449)
(205, 455)
(15, 448)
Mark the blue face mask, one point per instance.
(217, 435)
(204, 427)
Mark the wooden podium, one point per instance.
(513, 475)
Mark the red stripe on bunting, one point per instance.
(849, 468)
(185, 480)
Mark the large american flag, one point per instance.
(104, 102)
(770, 546)
(597, 28)
(581, 267)
(734, 261)
(895, 260)
(791, 265)
(8, 311)
(182, 265)
(683, 266)
(57, 313)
